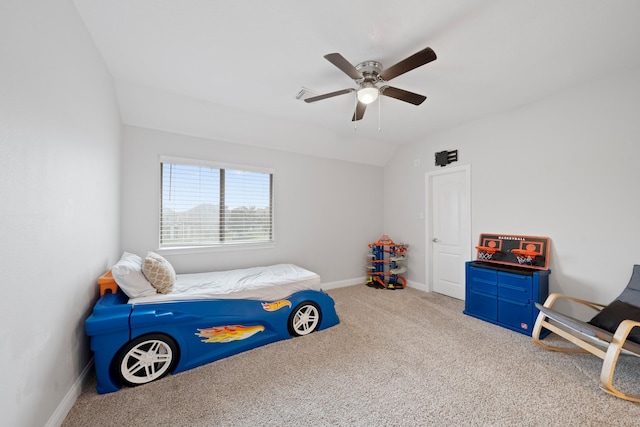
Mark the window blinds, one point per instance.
(203, 205)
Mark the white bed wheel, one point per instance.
(304, 319)
(145, 359)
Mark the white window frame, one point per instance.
(216, 247)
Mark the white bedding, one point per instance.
(268, 283)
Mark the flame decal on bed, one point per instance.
(223, 334)
(274, 306)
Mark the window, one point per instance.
(209, 205)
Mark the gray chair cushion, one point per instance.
(631, 293)
(604, 324)
(610, 317)
(584, 330)
(573, 323)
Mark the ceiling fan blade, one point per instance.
(402, 95)
(359, 113)
(328, 95)
(416, 60)
(344, 65)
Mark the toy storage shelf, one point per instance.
(384, 267)
(504, 295)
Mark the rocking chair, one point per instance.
(606, 335)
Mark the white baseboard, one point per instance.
(70, 398)
(361, 280)
(417, 285)
(343, 283)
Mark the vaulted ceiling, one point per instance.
(231, 70)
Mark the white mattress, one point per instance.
(268, 283)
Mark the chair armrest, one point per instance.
(552, 298)
(623, 330)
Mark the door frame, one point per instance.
(429, 214)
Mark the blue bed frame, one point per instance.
(115, 322)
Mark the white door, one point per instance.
(448, 229)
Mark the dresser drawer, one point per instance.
(484, 274)
(483, 281)
(516, 315)
(515, 286)
(482, 305)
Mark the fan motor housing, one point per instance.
(370, 70)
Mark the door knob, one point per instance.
(435, 240)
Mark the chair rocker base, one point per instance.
(588, 339)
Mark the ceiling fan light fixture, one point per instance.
(368, 94)
(368, 74)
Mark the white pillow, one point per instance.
(159, 272)
(128, 275)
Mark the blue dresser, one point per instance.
(505, 295)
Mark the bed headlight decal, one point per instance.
(277, 305)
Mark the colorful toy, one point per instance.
(384, 266)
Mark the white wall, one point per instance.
(59, 187)
(60, 216)
(567, 167)
(326, 211)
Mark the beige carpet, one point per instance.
(398, 358)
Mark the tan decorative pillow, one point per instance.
(159, 272)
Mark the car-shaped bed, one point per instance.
(136, 341)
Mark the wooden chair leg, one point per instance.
(537, 330)
(611, 358)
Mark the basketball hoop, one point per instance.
(524, 256)
(485, 253)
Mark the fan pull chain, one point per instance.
(355, 108)
(379, 115)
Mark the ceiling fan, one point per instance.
(369, 74)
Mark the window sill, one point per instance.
(229, 247)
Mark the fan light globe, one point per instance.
(367, 95)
